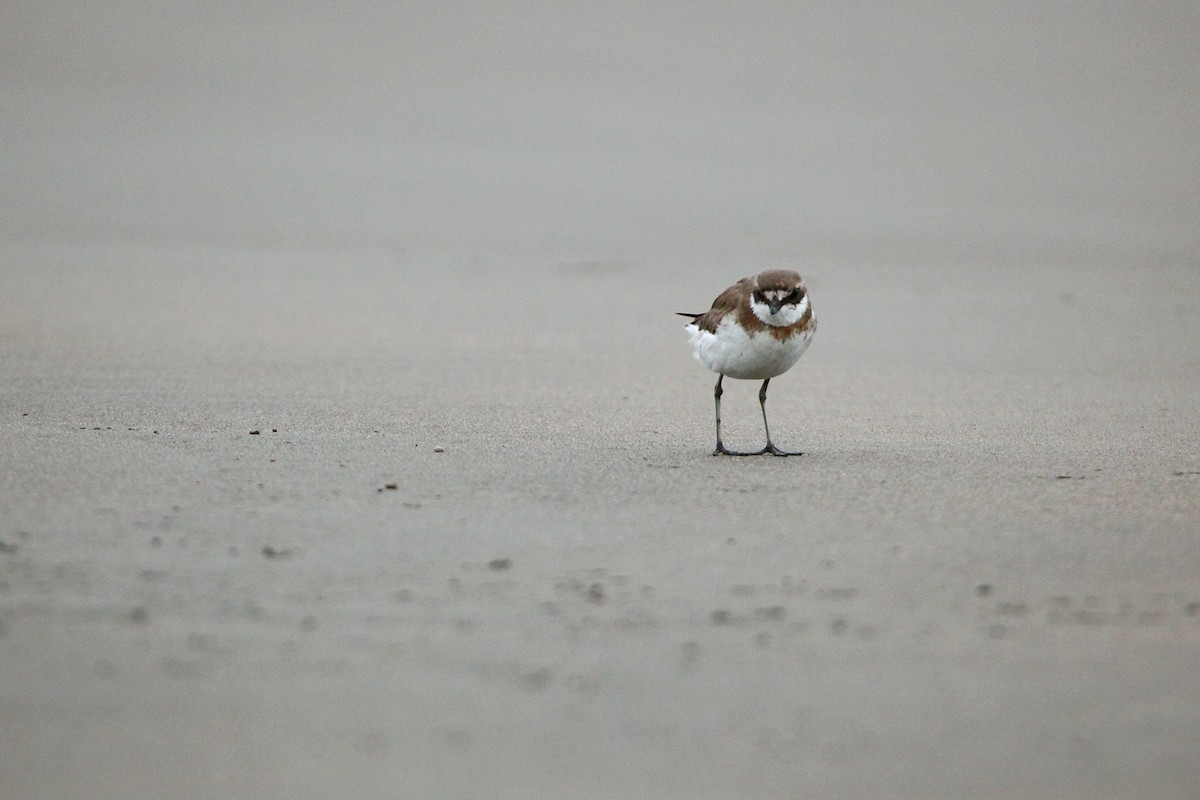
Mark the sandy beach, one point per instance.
(349, 446)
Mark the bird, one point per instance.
(756, 329)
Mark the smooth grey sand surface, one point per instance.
(243, 295)
(981, 579)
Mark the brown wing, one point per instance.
(727, 302)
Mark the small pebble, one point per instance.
(439, 449)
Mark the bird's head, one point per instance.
(779, 297)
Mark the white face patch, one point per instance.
(787, 315)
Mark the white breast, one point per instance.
(732, 351)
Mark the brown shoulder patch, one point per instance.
(746, 317)
(733, 299)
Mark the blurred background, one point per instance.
(1060, 131)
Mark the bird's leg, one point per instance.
(762, 402)
(717, 392)
(721, 450)
(770, 448)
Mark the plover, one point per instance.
(756, 329)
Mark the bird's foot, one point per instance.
(722, 450)
(770, 449)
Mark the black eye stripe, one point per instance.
(794, 296)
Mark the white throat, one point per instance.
(787, 315)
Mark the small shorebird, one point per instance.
(756, 329)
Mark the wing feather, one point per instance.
(727, 302)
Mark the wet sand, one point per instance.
(306, 498)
